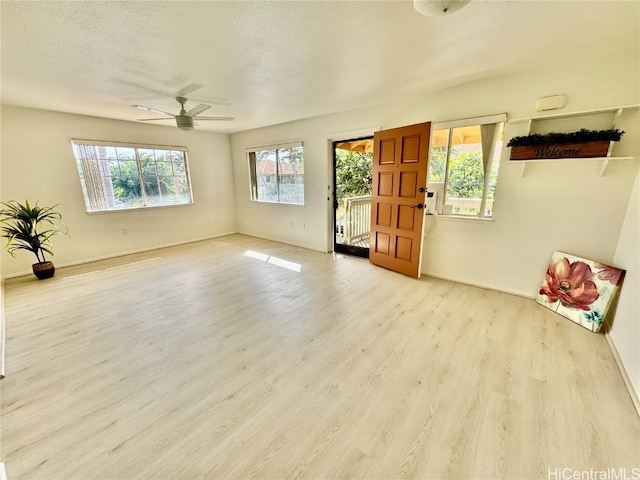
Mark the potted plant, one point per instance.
(30, 228)
(581, 144)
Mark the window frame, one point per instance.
(140, 174)
(251, 153)
(440, 187)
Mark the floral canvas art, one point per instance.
(579, 289)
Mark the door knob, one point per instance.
(421, 189)
(418, 206)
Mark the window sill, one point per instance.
(137, 209)
(269, 202)
(463, 218)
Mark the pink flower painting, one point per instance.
(570, 283)
(610, 274)
(579, 289)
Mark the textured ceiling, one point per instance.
(275, 62)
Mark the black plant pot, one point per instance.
(43, 270)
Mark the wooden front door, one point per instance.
(400, 157)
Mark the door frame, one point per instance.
(361, 252)
(337, 136)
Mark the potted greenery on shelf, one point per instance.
(30, 228)
(581, 144)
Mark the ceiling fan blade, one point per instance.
(155, 110)
(152, 119)
(198, 109)
(208, 99)
(221, 119)
(184, 91)
(215, 101)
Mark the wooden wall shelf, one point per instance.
(529, 121)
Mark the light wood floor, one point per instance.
(201, 362)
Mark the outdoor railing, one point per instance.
(353, 219)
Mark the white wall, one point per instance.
(38, 164)
(555, 206)
(564, 206)
(625, 328)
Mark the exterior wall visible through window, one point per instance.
(277, 173)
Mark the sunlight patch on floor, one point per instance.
(279, 262)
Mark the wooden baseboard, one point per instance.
(623, 372)
(2, 335)
(122, 254)
(518, 293)
(612, 346)
(286, 242)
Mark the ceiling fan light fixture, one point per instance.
(438, 8)
(184, 122)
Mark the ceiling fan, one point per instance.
(184, 119)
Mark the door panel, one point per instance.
(384, 214)
(400, 158)
(385, 184)
(409, 184)
(404, 247)
(406, 220)
(410, 149)
(387, 151)
(382, 243)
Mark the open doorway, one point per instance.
(352, 177)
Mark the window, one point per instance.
(277, 173)
(116, 176)
(463, 165)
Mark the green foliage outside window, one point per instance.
(353, 174)
(437, 162)
(466, 175)
(158, 178)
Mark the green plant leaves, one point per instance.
(582, 135)
(21, 225)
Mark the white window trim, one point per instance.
(104, 143)
(439, 187)
(465, 122)
(136, 146)
(271, 146)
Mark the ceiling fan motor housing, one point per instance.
(184, 122)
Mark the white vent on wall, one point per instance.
(553, 102)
